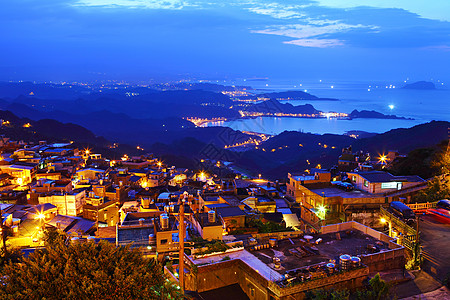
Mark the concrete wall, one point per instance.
(369, 218)
(348, 280)
(386, 260)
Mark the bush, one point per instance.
(85, 271)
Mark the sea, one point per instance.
(386, 97)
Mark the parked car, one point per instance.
(443, 204)
(402, 211)
(346, 186)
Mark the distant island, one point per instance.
(371, 114)
(276, 107)
(420, 85)
(293, 95)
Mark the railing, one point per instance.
(409, 233)
(422, 206)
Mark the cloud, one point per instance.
(436, 9)
(277, 10)
(316, 43)
(148, 4)
(311, 35)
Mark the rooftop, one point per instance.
(380, 176)
(336, 192)
(303, 177)
(300, 253)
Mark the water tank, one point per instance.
(355, 261)
(90, 238)
(330, 268)
(15, 229)
(273, 242)
(152, 239)
(164, 219)
(145, 202)
(211, 216)
(141, 221)
(74, 239)
(344, 261)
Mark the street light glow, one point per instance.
(383, 220)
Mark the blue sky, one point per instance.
(143, 39)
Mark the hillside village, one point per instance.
(263, 229)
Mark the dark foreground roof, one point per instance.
(233, 292)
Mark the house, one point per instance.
(70, 204)
(297, 180)
(106, 214)
(22, 174)
(90, 173)
(43, 186)
(349, 161)
(209, 225)
(72, 225)
(261, 204)
(378, 182)
(46, 211)
(232, 216)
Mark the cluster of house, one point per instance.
(355, 190)
(85, 194)
(140, 201)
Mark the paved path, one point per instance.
(442, 293)
(422, 283)
(435, 237)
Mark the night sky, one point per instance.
(143, 39)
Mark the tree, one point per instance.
(86, 270)
(377, 289)
(441, 161)
(436, 190)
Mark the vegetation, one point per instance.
(417, 259)
(327, 294)
(376, 289)
(214, 246)
(436, 190)
(266, 227)
(11, 255)
(85, 271)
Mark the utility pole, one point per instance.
(181, 232)
(3, 227)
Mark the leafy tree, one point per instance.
(377, 289)
(436, 190)
(441, 161)
(86, 271)
(11, 255)
(416, 261)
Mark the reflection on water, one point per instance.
(276, 125)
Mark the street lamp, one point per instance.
(384, 221)
(321, 212)
(382, 159)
